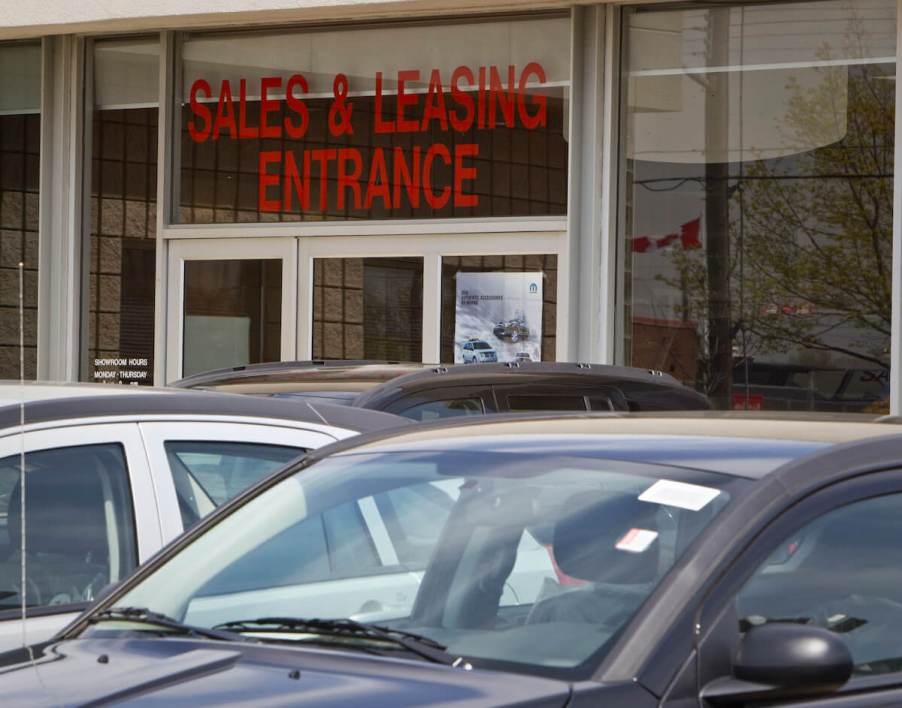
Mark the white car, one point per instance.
(110, 479)
(478, 351)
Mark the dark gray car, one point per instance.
(672, 562)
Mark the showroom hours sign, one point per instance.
(333, 170)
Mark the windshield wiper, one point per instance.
(415, 643)
(143, 615)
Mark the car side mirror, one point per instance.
(784, 659)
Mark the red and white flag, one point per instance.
(688, 236)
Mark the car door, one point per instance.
(833, 561)
(91, 516)
(198, 465)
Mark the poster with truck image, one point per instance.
(498, 318)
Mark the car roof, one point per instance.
(142, 404)
(14, 392)
(288, 376)
(749, 446)
(525, 372)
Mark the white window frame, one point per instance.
(432, 249)
(236, 249)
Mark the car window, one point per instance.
(207, 473)
(546, 403)
(433, 410)
(414, 517)
(481, 345)
(335, 544)
(298, 554)
(79, 531)
(843, 572)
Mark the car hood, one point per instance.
(195, 672)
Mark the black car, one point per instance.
(423, 392)
(666, 562)
(514, 330)
(759, 385)
(448, 391)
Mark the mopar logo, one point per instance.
(533, 288)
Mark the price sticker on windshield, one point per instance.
(679, 494)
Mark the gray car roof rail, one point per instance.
(202, 403)
(215, 375)
(462, 374)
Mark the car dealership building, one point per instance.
(704, 189)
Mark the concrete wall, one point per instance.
(46, 17)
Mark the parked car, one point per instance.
(522, 356)
(688, 561)
(111, 478)
(426, 392)
(478, 351)
(447, 391)
(514, 329)
(331, 381)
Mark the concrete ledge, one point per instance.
(18, 20)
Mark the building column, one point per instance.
(62, 209)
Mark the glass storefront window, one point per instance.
(462, 119)
(20, 156)
(232, 313)
(368, 308)
(120, 326)
(499, 308)
(758, 181)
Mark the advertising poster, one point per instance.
(498, 318)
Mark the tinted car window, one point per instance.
(546, 403)
(433, 410)
(296, 555)
(335, 544)
(843, 572)
(80, 532)
(208, 473)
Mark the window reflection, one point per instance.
(758, 175)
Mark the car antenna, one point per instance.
(24, 588)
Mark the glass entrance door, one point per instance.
(236, 303)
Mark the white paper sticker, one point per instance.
(679, 494)
(636, 540)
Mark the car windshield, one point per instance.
(480, 345)
(523, 560)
